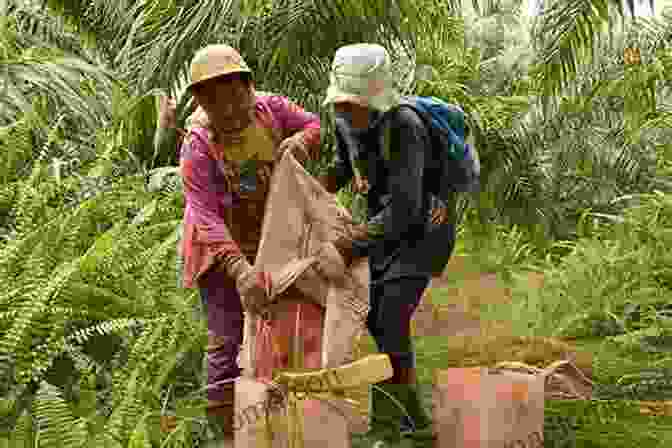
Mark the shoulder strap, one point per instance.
(406, 102)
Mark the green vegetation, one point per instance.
(97, 339)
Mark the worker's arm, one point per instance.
(296, 123)
(403, 219)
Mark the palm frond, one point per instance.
(97, 22)
(568, 32)
(62, 79)
(37, 29)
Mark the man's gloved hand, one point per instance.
(360, 185)
(296, 146)
(254, 288)
(440, 215)
(330, 262)
(167, 113)
(329, 183)
(344, 243)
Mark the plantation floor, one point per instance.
(447, 315)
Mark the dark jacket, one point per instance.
(397, 198)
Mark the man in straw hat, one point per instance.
(385, 149)
(227, 157)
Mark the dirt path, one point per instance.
(454, 317)
(449, 309)
(451, 303)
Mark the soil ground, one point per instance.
(449, 313)
(449, 309)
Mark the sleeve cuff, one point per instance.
(311, 141)
(360, 248)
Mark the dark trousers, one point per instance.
(225, 331)
(393, 303)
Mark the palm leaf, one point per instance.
(569, 31)
(60, 78)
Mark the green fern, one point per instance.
(103, 329)
(129, 408)
(23, 432)
(140, 436)
(17, 150)
(57, 427)
(157, 271)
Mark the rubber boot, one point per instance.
(418, 424)
(385, 414)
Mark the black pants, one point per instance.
(393, 303)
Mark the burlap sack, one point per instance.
(300, 215)
(563, 379)
(504, 406)
(260, 420)
(262, 408)
(483, 408)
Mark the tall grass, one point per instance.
(616, 282)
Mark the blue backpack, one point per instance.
(456, 166)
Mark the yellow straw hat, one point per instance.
(216, 60)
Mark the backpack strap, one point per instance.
(451, 201)
(383, 122)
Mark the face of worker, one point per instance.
(226, 99)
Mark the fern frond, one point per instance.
(101, 303)
(30, 328)
(157, 339)
(127, 410)
(136, 239)
(23, 433)
(157, 277)
(104, 328)
(140, 436)
(83, 363)
(99, 255)
(57, 427)
(16, 143)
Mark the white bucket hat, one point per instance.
(362, 74)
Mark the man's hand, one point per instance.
(167, 113)
(439, 215)
(265, 173)
(344, 247)
(344, 243)
(360, 231)
(330, 263)
(360, 185)
(296, 146)
(254, 288)
(329, 183)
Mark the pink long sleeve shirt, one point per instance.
(215, 207)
